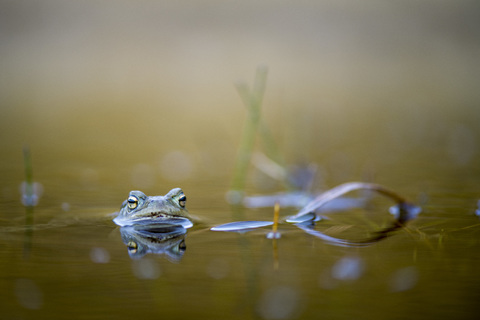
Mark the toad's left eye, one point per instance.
(182, 200)
(132, 202)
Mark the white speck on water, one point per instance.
(28, 294)
(348, 268)
(218, 268)
(66, 206)
(146, 269)
(234, 197)
(404, 279)
(279, 302)
(99, 255)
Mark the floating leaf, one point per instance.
(241, 225)
(309, 217)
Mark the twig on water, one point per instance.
(342, 189)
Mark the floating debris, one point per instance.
(99, 255)
(309, 217)
(348, 269)
(65, 206)
(146, 269)
(279, 302)
(404, 279)
(29, 295)
(242, 225)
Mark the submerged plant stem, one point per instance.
(27, 162)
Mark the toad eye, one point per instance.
(132, 247)
(132, 202)
(182, 200)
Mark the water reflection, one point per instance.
(403, 213)
(161, 239)
(31, 192)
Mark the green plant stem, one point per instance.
(253, 99)
(27, 162)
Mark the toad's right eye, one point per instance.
(132, 202)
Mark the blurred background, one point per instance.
(141, 94)
(112, 96)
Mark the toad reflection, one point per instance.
(161, 239)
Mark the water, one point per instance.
(428, 270)
(143, 98)
(75, 262)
